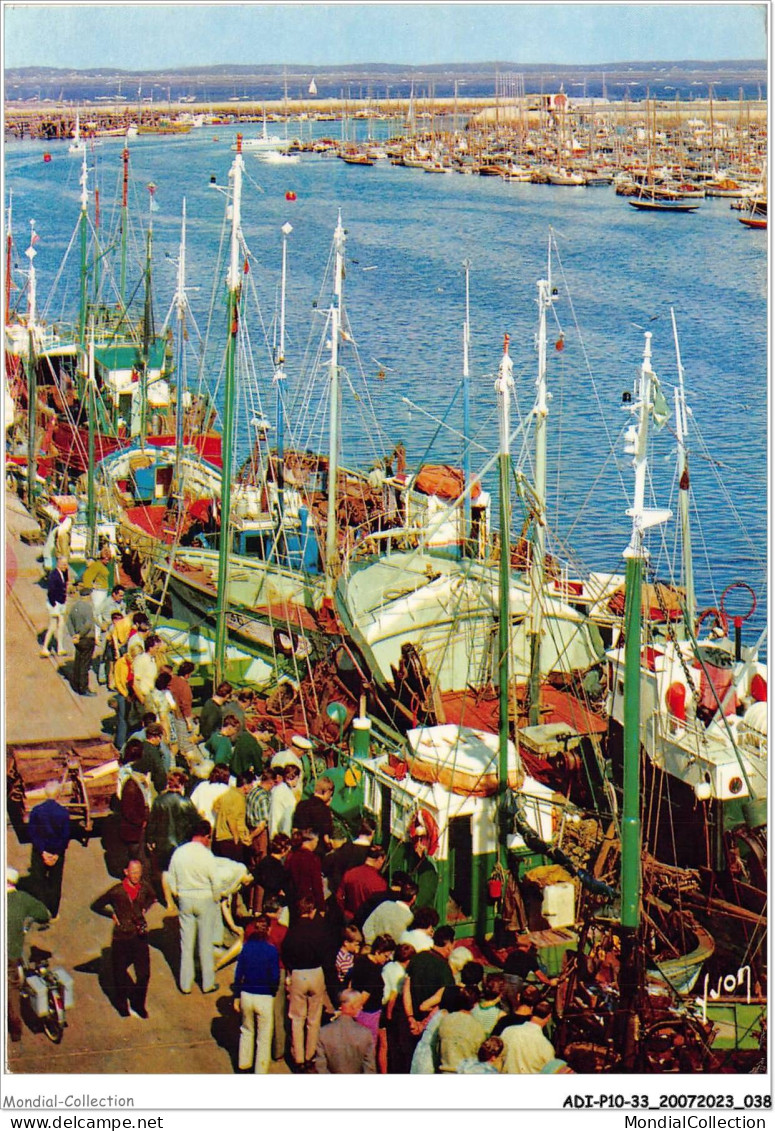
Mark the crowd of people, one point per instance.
(341, 962)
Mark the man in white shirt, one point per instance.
(294, 755)
(284, 802)
(194, 881)
(392, 916)
(420, 933)
(203, 797)
(526, 1048)
(145, 668)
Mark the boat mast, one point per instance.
(681, 430)
(234, 288)
(32, 376)
(332, 552)
(91, 508)
(538, 556)
(8, 260)
(279, 373)
(504, 385)
(84, 225)
(180, 301)
(632, 965)
(147, 324)
(124, 225)
(466, 416)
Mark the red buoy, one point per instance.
(46, 157)
(290, 195)
(759, 688)
(675, 700)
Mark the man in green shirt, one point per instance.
(246, 753)
(151, 760)
(218, 745)
(213, 712)
(20, 907)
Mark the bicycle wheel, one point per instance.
(54, 1022)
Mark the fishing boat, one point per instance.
(293, 514)
(353, 157)
(488, 827)
(566, 178)
(657, 204)
(428, 623)
(725, 187)
(131, 398)
(263, 145)
(756, 213)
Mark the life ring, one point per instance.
(738, 619)
(719, 619)
(423, 820)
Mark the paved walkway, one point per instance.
(39, 701)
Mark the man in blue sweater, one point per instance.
(255, 984)
(49, 833)
(56, 606)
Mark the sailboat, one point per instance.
(77, 147)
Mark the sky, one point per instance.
(143, 36)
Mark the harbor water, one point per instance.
(618, 273)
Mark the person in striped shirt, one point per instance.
(351, 946)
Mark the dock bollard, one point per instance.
(360, 737)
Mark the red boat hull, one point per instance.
(72, 444)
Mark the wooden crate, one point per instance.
(87, 769)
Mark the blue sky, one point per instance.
(139, 36)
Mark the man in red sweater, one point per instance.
(362, 882)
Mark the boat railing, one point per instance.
(368, 539)
(698, 741)
(366, 542)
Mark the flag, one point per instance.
(661, 412)
(152, 190)
(34, 238)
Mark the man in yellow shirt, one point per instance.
(231, 835)
(122, 676)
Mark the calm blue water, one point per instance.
(408, 235)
